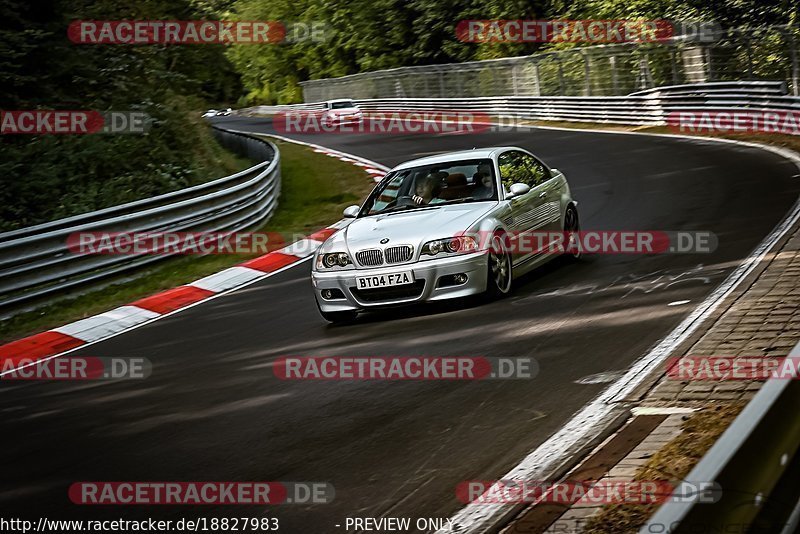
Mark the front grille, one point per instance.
(370, 258)
(398, 254)
(406, 291)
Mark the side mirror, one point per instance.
(518, 190)
(351, 212)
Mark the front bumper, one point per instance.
(344, 121)
(427, 276)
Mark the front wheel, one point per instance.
(498, 283)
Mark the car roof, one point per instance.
(339, 100)
(476, 153)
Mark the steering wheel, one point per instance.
(404, 200)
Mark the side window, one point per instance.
(518, 167)
(511, 169)
(539, 174)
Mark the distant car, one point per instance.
(442, 227)
(210, 113)
(341, 111)
(224, 112)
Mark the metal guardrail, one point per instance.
(269, 110)
(36, 263)
(651, 107)
(754, 465)
(645, 108)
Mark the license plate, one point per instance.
(385, 280)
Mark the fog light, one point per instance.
(451, 280)
(332, 294)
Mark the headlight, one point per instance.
(333, 259)
(452, 245)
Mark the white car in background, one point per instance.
(217, 112)
(341, 111)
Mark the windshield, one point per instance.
(431, 185)
(342, 105)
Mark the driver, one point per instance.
(427, 189)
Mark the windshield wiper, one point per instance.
(396, 209)
(455, 201)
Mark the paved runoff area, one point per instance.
(761, 320)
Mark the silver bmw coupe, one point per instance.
(443, 227)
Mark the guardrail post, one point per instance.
(673, 64)
(709, 64)
(749, 51)
(537, 89)
(612, 60)
(514, 81)
(645, 78)
(587, 74)
(793, 55)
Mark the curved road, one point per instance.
(212, 410)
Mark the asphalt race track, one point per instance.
(212, 409)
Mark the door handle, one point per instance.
(543, 194)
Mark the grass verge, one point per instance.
(315, 188)
(673, 462)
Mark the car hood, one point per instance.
(414, 227)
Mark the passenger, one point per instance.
(484, 182)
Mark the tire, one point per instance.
(572, 224)
(500, 271)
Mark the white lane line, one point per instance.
(660, 410)
(678, 302)
(588, 423)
